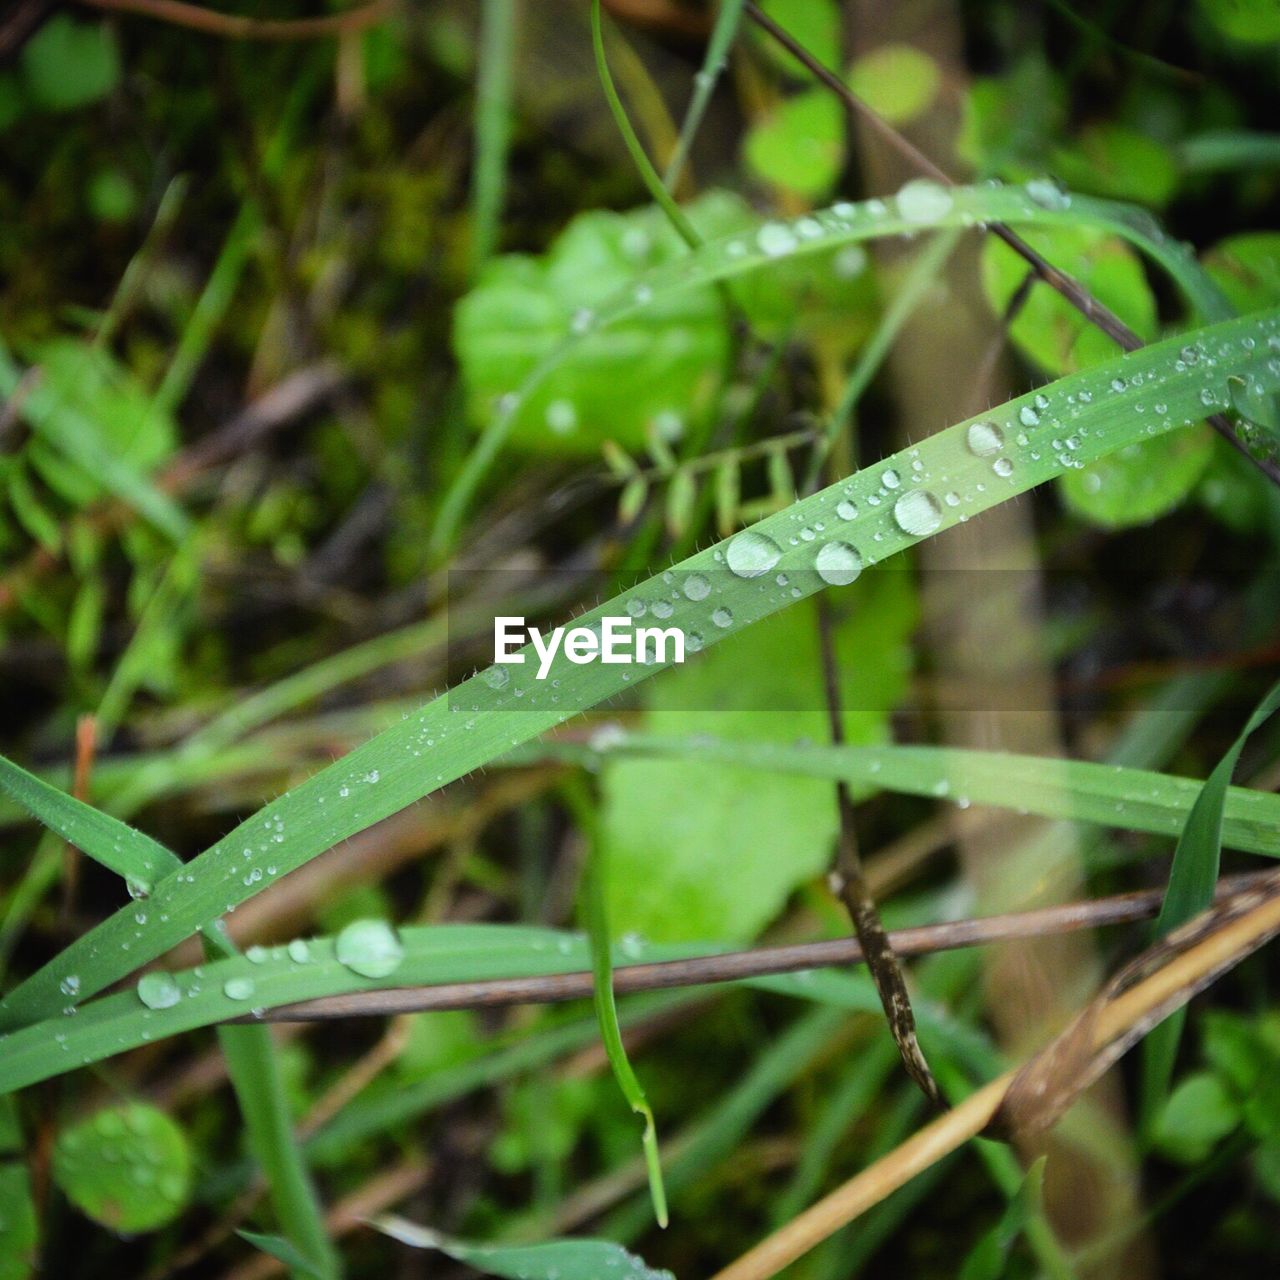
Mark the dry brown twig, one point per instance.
(229, 26)
(735, 965)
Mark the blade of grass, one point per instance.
(704, 85)
(492, 125)
(1088, 413)
(842, 224)
(1191, 884)
(1076, 790)
(595, 912)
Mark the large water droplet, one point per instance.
(917, 513)
(238, 988)
(299, 951)
(846, 510)
(776, 239)
(750, 554)
(984, 438)
(1028, 416)
(838, 563)
(696, 587)
(1047, 194)
(924, 201)
(158, 990)
(369, 948)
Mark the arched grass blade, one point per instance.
(552, 1260)
(921, 206)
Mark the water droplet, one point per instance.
(917, 513)
(369, 948)
(561, 417)
(722, 618)
(775, 239)
(158, 990)
(1002, 467)
(750, 554)
(846, 510)
(891, 479)
(238, 988)
(1028, 416)
(696, 587)
(582, 320)
(838, 563)
(924, 201)
(1047, 194)
(299, 951)
(850, 262)
(496, 677)
(70, 985)
(984, 438)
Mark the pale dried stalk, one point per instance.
(1168, 988)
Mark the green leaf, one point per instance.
(554, 1260)
(1247, 269)
(735, 843)
(815, 24)
(1249, 21)
(69, 64)
(98, 431)
(665, 363)
(897, 81)
(1048, 329)
(799, 144)
(18, 1226)
(1142, 481)
(1198, 1114)
(475, 722)
(1119, 162)
(283, 1251)
(1244, 1056)
(128, 1167)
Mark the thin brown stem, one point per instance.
(733, 966)
(849, 883)
(195, 17)
(1099, 315)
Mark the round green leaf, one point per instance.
(1116, 161)
(814, 23)
(1141, 481)
(1197, 1116)
(1249, 21)
(69, 64)
(1247, 269)
(800, 144)
(897, 81)
(1048, 329)
(128, 1167)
